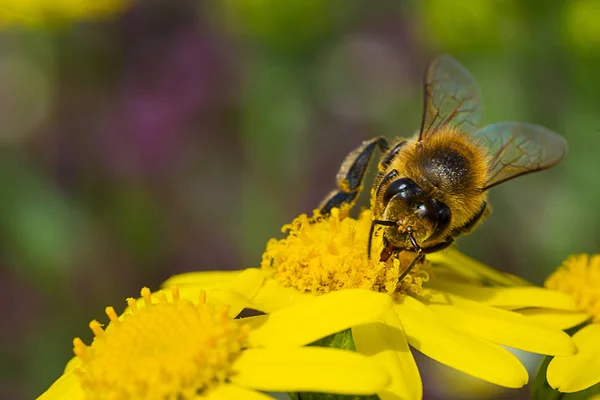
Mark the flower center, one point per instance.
(579, 276)
(322, 254)
(163, 350)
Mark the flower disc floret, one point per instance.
(579, 277)
(323, 254)
(195, 346)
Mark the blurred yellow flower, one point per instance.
(457, 322)
(43, 12)
(579, 277)
(580, 25)
(168, 346)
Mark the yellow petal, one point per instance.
(272, 296)
(220, 298)
(508, 297)
(233, 392)
(66, 387)
(433, 337)
(441, 272)
(555, 318)
(246, 282)
(499, 326)
(468, 267)
(234, 301)
(385, 343)
(308, 369)
(202, 279)
(316, 317)
(72, 364)
(582, 370)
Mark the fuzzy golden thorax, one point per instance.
(450, 167)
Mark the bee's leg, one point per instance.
(421, 251)
(418, 258)
(438, 246)
(382, 180)
(384, 176)
(351, 175)
(483, 212)
(389, 155)
(335, 199)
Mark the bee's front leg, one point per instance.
(351, 175)
(438, 246)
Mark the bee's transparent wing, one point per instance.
(452, 98)
(517, 148)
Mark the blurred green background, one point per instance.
(179, 136)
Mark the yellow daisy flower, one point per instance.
(322, 255)
(42, 12)
(578, 277)
(168, 346)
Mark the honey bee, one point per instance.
(433, 187)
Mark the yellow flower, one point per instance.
(42, 12)
(462, 330)
(457, 266)
(578, 277)
(168, 346)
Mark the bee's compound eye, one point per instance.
(444, 215)
(441, 217)
(404, 188)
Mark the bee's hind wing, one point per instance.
(518, 148)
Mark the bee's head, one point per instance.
(414, 212)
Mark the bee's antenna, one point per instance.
(372, 230)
